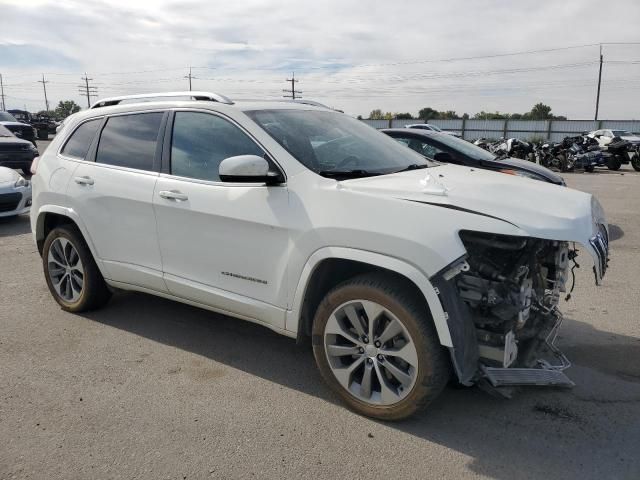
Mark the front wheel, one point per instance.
(635, 162)
(71, 273)
(376, 346)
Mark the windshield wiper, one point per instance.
(356, 173)
(413, 166)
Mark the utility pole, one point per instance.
(293, 93)
(86, 90)
(599, 82)
(2, 93)
(44, 86)
(189, 77)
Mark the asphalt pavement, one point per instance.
(150, 389)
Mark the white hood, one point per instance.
(8, 175)
(536, 209)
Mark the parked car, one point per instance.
(42, 123)
(19, 129)
(403, 271)
(15, 152)
(431, 128)
(606, 136)
(15, 193)
(448, 149)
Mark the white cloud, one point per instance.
(251, 46)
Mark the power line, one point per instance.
(88, 90)
(189, 77)
(44, 86)
(293, 92)
(2, 93)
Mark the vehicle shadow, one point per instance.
(615, 232)
(11, 226)
(533, 433)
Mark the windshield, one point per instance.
(6, 117)
(434, 128)
(4, 132)
(331, 142)
(462, 146)
(621, 133)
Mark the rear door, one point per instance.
(114, 197)
(223, 244)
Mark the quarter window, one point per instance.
(201, 141)
(130, 140)
(80, 140)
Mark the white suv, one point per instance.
(302, 219)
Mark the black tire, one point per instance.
(434, 368)
(95, 292)
(635, 162)
(43, 135)
(562, 163)
(613, 163)
(589, 168)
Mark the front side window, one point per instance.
(130, 140)
(80, 140)
(333, 144)
(7, 117)
(621, 133)
(200, 141)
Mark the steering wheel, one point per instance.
(346, 161)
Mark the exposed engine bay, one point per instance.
(512, 287)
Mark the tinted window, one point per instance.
(80, 140)
(201, 141)
(130, 140)
(421, 147)
(6, 117)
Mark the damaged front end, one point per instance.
(502, 302)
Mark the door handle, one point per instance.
(173, 195)
(84, 180)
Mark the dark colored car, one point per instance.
(449, 149)
(19, 129)
(15, 152)
(42, 123)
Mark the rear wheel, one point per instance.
(635, 162)
(376, 346)
(71, 273)
(589, 168)
(613, 163)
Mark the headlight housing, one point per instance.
(21, 182)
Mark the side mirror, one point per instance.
(247, 168)
(444, 157)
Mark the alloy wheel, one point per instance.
(370, 352)
(65, 270)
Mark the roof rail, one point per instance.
(285, 100)
(207, 96)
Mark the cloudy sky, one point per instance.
(399, 56)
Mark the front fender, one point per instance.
(390, 263)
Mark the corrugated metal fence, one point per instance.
(554, 130)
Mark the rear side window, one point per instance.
(130, 140)
(201, 141)
(78, 144)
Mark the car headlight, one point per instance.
(21, 182)
(523, 173)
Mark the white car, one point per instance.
(605, 136)
(402, 271)
(430, 127)
(15, 193)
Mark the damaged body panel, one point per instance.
(501, 291)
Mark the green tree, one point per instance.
(490, 115)
(376, 114)
(540, 111)
(403, 116)
(428, 113)
(359, 117)
(66, 108)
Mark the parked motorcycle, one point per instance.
(616, 152)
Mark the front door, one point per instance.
(222, 244)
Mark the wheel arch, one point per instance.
(330, 266)
(52, 216)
